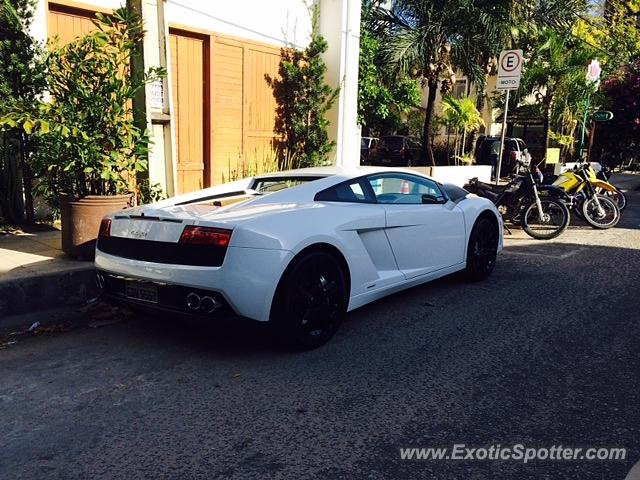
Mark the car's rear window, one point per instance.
(392, 143)
(274, 184)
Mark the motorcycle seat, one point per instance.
(491, 187)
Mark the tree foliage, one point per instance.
(622, 91)
(462, 116)
(89, 144)
(430, 40)
(22, 80)
(302, 102)
(556, 61)
(555, 76)
(382, 98)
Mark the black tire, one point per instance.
(555, 221)
(608, 217)
(617, 196)
(482, 250)
(310, 301)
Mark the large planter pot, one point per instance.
(81, 221)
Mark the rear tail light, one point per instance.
(195, 235)
(105, 228)
(514, 155)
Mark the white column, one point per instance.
(339, 24)
(38, 28)
(158, 95)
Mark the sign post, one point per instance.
(593, 79)
(597, 117)
(509, 73)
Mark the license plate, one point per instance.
(146, 292)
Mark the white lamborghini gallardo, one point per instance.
(298, 248)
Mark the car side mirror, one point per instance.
(431, 199)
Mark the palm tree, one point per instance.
(428, 38)
(555, 75)
(463, 116)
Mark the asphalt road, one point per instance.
(546, 352)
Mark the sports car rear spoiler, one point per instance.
(220, 196)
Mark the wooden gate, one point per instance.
(188, 76)
(243, 107)
(68, 23)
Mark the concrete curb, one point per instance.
(44, 292)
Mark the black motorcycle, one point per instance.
(539, 209)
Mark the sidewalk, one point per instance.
(36, 275)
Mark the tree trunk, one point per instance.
(428, 121)
(448, 149)
(474, 139)
(27, 178)
(464, 142)
(11, 204)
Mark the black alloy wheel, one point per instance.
(311, 301)
(482, 250)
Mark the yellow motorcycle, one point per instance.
(610, 190)
(600, 211)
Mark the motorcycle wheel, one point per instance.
(617, 196)
(607, 217)
(555, 219)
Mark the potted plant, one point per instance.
(89, 147)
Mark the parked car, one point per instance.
(398, 151)
(367, 144)
(297, 249)
(513, 148)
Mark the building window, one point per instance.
(460, 89)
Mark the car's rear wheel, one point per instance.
(482, 250)
(310, 302)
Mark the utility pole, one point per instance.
(140, 99)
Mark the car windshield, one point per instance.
(274, 184)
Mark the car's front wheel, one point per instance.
(310, 302)
(482, 250)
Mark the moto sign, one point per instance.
(509, 70)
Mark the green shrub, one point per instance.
(89, 143)
(302, 101)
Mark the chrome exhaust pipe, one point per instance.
(208, 304)
(193, 301)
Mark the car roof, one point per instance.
(327, 171)
(324, 177)
(332, 176)
(302, 172)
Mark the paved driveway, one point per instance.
(546, 352)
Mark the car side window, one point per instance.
(355, 191)
(405, 189)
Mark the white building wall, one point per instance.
(276, 22)
(339, 24)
